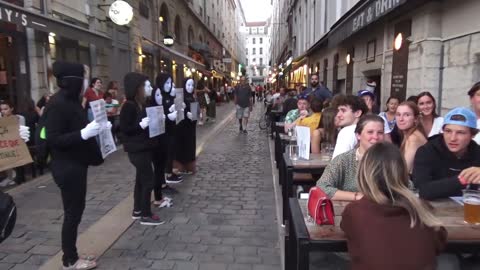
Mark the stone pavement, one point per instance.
(36, 237)
(223, 217)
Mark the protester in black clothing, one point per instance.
(186, 133)
(134, 126)
(165, 82)
(449, 161)
(73, 148)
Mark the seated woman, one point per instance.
(326, 131)
(431, 121)
(389, 114)
(411, 129)
(338, 180)
(311, 121)
(389, 219)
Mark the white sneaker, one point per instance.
(165, 202)
(81, 264)
(7, 182)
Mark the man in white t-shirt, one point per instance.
(350, 109)
(474, 94)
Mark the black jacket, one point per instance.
(135, 139)
(168, 101)
(65, 118)
(436, 169)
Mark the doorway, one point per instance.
(8, 78)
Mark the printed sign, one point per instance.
(194, 110)
(303, 142)
(105, 137)
(13, 150)
(156, 117)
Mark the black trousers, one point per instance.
(160, 156)
(71, 178)
(143, 181)
(171, 142)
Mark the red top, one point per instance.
(91, 96)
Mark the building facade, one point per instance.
(405, 46)
(257, 40)
(42, 32)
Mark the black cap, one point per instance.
(62, 69)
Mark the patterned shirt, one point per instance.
(340, 174)
(292, 116)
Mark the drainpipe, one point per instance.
(440, 77)
(385, 43)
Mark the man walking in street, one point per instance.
(317, 89)
(243, 103)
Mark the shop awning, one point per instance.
(177, 56)
(24, 18)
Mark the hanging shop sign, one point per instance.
(372, 12)
(120, 12)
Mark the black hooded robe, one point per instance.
(186, 133)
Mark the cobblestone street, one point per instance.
(223, 217)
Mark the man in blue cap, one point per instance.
(450, 161)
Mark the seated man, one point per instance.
(449, 161)
(303, 107)
(350, 109)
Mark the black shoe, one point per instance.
(169, 190)
(245, 131)
(173, 179)
(152, 220)
(240, 129)
(136, 215)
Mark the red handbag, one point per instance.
(320, 207)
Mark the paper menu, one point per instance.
(303, 141)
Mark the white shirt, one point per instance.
(346, 140)
(477, 137)
(437, 126)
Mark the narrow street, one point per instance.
(223, 217)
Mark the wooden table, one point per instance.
(306, 236)
(316, 165)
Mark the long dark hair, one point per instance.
(427, 94)
(93, 81)
(327, 123)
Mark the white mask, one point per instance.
(148, 88)
(173, 92)
(158, 96)
(189, 86)
(167, 86)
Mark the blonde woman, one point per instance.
(412, 131)
(390, 228)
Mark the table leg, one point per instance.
(303, 256)
(287, 192)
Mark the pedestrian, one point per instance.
(317, 89)
(159, 156)
(203, 100)
(243, 103)
(134, 126)
(212, 106)
(93, 92)
(72, 145)
(390, 227)
(165, 81)
(389, 114)
(186, 133)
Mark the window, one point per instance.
(208, 20)
(143, 9)
(201, 11)
(261, 40)
(253, 40)
(261, 72)
(261, 50)
(213, 28)
(254, 60)
(246, 51)
(253, 51)
(261, 61)
(246, 61)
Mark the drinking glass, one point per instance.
(326, 150)
(471, 206)
(293, 151)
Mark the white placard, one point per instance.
(194, 110)
(303, 142)
(105, 137)
(179, 104)
(156, 117)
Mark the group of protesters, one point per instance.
(388, 164)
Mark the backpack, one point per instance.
(41, 147)
(8, 215)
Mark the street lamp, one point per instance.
(398, 41)
(168, 40)
(120, 12)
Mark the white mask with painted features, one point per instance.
(167, 86)
(158, 96)
(189, 86)
(173, 92)
(148, 88)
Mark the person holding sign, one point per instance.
(186, 137)
(164, 80)
(134, 125)
(72, 146)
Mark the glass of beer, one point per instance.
(471, 207)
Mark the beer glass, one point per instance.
(326, 150)
(471, 206)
